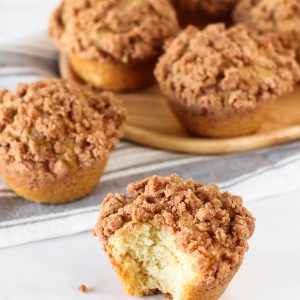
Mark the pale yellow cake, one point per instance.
(174, 236)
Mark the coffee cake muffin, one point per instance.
(202, 12)
(174, 236)
(279, 16)
(55, 139)
(113, 44)
(220, 82)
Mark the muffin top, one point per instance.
(280, 16)
(209, 6)
(206, 222)
(53, 127)
(218, 70)
(127, 31)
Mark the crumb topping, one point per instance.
(210, 224)
(219, 70)
(53, 127)
(209, 6)
(280, 16)
(127, 31)
(83, 288)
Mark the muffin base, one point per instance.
(113, 76)
(201, 292)
(68, 189)
(223, 127)
(194, 290)
(128, 266)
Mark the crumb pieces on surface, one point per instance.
(83, 288)
(219, 71)
(206, 222)
(52, 127)
(122, 30)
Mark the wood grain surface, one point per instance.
(151, 123)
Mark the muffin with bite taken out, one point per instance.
(173, 236)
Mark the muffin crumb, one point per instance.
(205, 221)
(83, 288)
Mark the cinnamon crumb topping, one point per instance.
(83, 288)
(219, 70)
(210, 224)
(53, 127)
(280, 16)
(127, 31)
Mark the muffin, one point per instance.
(55, 139)
(174, 236)
(113, 44)
(279, 16)
(220, 82)
(202, 12)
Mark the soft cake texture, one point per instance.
(163, 266)
(175, 236)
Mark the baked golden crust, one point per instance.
(210, 225)
(69, 188)
(220, 72)
(114, 76)
(126, 31)
(280, 16)
(52, 128)
(198, 290)
(236, 125)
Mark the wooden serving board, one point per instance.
(151, 123)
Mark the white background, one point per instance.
(53, 269)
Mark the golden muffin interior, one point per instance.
(163, 266)
(173, 236)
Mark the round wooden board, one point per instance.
(151, 123)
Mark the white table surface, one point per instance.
(55, 268)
